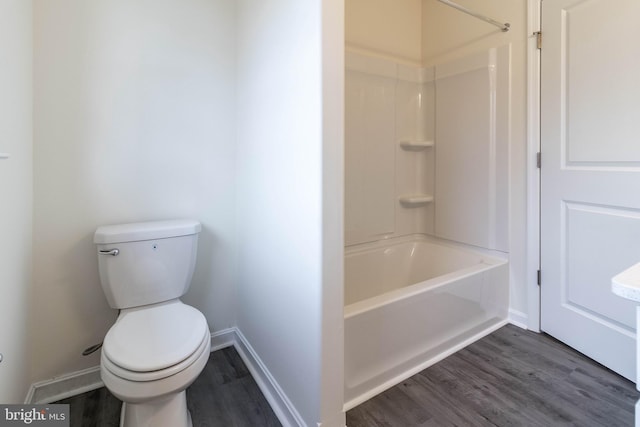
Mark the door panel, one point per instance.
(596, 68)
(598, 236)
(590, 179)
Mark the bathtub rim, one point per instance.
(489, 260)
(385, 242)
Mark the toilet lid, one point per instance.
(155, 337)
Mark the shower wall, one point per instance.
(427, 149)
(389, 162)
(399, 102)
(472, 135)
(447, 35)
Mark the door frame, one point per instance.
(534, 9)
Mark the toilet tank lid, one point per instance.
(145, 231)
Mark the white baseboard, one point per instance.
(223, 339)
(64, 386)
(280, 403)
(278, 400)
(518, 318)
(79, 382)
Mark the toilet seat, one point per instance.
(160, 374)
(153, 342)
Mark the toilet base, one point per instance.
(169, 411)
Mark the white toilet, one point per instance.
(158, 345)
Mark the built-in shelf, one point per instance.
(415, 145)
(415, 200)
(4, 156)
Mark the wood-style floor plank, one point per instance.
(224, 395)
(509, 378)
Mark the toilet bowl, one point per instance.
(149, 366)
(158, 345)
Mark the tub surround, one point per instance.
(426, 149)
(472, 136)
(389, 152)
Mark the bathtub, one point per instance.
(411, 302)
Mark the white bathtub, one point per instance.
(409, 303)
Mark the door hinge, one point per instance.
(539, 278)
(538, 35)
(538, 160)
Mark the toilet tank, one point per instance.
(147, 262)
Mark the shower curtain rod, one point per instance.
(504, 27)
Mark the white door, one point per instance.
(590, 188)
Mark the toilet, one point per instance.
(158, 345)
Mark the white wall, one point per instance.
(387, 27)
(289, 203)
(449, 34)
(133, 121)
(15, 190)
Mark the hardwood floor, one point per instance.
(509, 378)
(224, 395)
